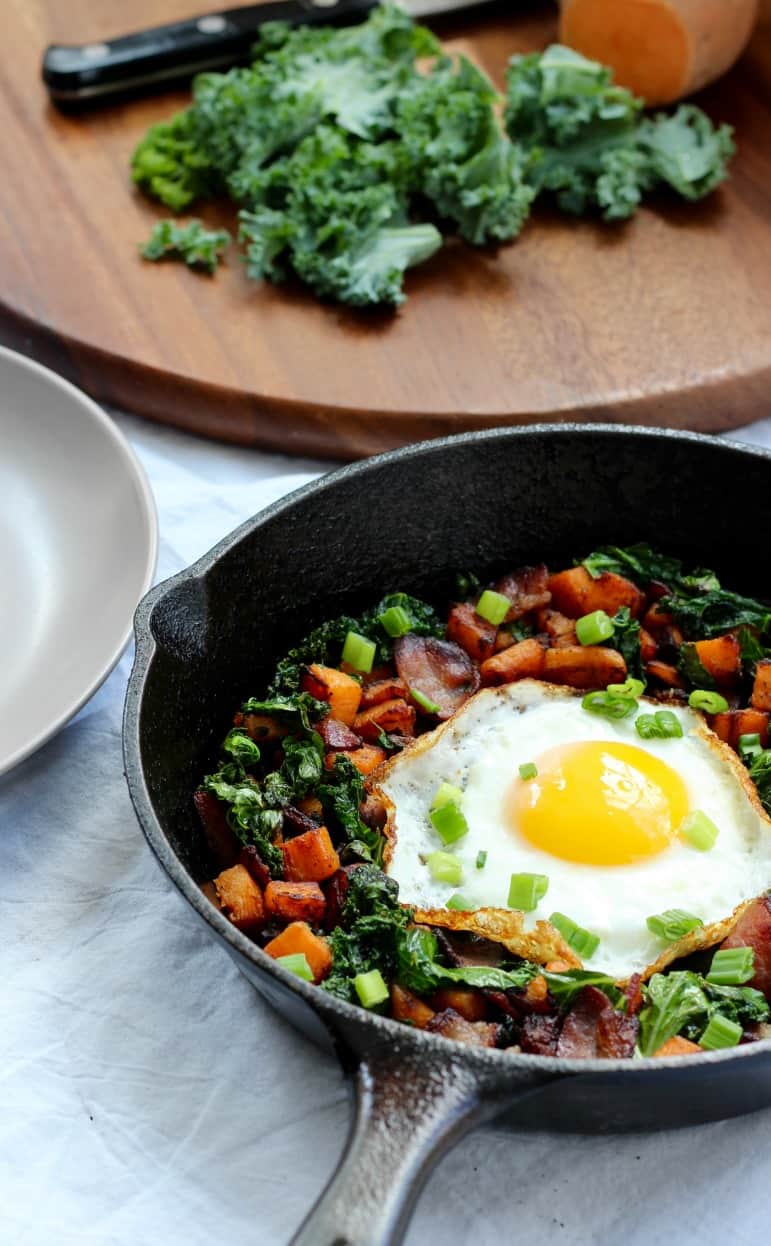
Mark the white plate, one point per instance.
(78, 544)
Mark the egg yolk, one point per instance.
(599, 803)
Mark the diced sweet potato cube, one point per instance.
(395, 715)
(295, 902)
(475, 1033)
(584, 666)
(261, 727)
(656, 620)
(575, 593)
(240, 898)
(761, 689)
(300, 939)
(526, 588)
(537, 991)
(310, 857)
(473, 633)
(341, 691)
(467, 1003)
(678, 1046)
(408, 1008)
(721, 658)
(312, 806)
(365, 759)
(525, 660)
(665, 673)
(733, 724)
(382, 690)
(558, 627)
(648, 646)
(222, 841)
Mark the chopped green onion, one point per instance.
(396, 621)
(528, 770)
(709, 702)
(720, 1033)
(582, 941)
(732, 966)
(430, 707)
(481, 860)
(445, 793)
(359, 652)
(296, 963)
(593, 628)
(699, 830)
(460, 903)
(526, 891)
(672, 924)
(663, 725)
(370, 988)
(750, 746)
(445, 867)
(607, 706)
(630, 688)
(448, 822)
(493, 607)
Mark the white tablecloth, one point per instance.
(150, 1096)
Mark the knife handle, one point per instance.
(101, 72)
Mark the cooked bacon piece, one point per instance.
(337, 734)
(335, 891)
(310, 857)
(540, 1035)
(761, 689)
(408, 1008)
(290, 902)
(678, 1046)
(722, 659)
(473, 633)
(251, 860)
(753, 929)
(342, 691)
(469, 1004)
(593, 1027)
(527, 589)
(463, 948)
(382, 690)
(240, 898)
(365, 759)
(731, 725)
(375, 676)
(373, 812)
(525, 660)
(394, 715)
(648, 646)
(222, 841)
(261, 728)
(297, 823)
(657, 621)
(634, 995)
(575, 593)
(558, 627)
(299, 939)
(475, 1033)
(439, 669)
(584, 666)
(665, 673)
(312, 806)
(616, 1035)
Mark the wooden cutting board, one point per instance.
(666, 320)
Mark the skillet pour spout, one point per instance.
(209, 638)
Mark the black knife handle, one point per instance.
(100, 72)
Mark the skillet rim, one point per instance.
(383, 1029)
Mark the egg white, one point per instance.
(480, 750)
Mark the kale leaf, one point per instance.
(341, 794)
(248, 813)
(565, 987)
(685, 151)
(626, 638)
(715, 612)
(760, 773)
(694, 670)
(293, 709)
(639, 563)
(199, 247)
(171, 164)
(682, 1002)
(419, 970)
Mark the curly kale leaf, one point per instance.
(715, 612)
(640, 563)
(760, 773)
(294, 710)
(686, 152)
(247, 812)
(198, 246)
(565, 987)
(299, 773)
(684, 1003)
(170, 163)
(626, 638)
(419, 970)
(370, 892)
(341, 795)
(470, 171)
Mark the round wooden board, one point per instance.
(666, 320)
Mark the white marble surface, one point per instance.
(147, 1095)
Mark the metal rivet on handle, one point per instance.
(213, 25)
(95, 51)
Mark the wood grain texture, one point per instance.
(666, 320)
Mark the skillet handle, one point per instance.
(411, 1107)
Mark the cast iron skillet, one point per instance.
(408, 520)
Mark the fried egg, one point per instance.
(601, 819)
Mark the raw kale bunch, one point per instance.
(589, 144)
(330, 142)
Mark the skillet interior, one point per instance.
(409, 520)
